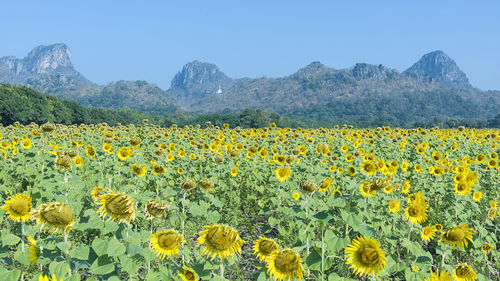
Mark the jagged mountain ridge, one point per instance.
(433, 87)
(49, 69)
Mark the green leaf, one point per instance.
(10, 275)
(115, 248)
(64, 246)
(60, 269)
(100, 246)
(131, 265)
(21, 257)
(102, 265)
(81, 252)
(10, 239)
(313, 261)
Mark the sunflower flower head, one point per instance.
(188, 275)
(285, 265)
(155, 209)
(457, 236)
(18, 207)
(166, 243)
(365, 256)
(464, 272)
(33, 251)
(435, 276)
(219, 240)
(264, 247)
(55, 216)
(118, 206)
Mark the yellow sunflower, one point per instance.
(325, 185)
(365, 256)
(464, 272)
(55, 216)
(428, 233)
(33, 250)
(166, 243)
(285, 265)
(366, 189)
(47, 278)
(477, 196)
(296, 196)
(487, 248)
(416, 212)
(158, 170)
(462, 188)
(118, 206)
(124, 153)
(457, 236)
(78, 160)
(188, 275)
(18, 207)
(234, 171)
(90, 151)
(283, 173)
(264, 248)
(444, 276)
(394, 205)
(219, 240)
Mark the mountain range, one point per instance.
(432, 87)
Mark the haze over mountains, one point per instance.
(432, 87)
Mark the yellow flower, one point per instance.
(417, 211)
(264, 248)
(283, 173)
(188, 275)
(234, 172)
(180, 171)
(33, 251)
(444, 276)
(158, 170)
(457, 236)
(464, 272)
(394, 205)
(406, 187)
(166, 243)
(365, 256)
(124, 153)
(42, 277)
(487, 248)
(427, 233)
(118, 206)
(296, 196)
(18, 207)
(90, 151)
(477, 196)
(325, 185)
(219, 240)
(78, 160)
(285, 265)
(54, 216)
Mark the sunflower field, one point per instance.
(142, 202)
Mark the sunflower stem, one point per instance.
(22, 236)
(222, 269)
(322, 254)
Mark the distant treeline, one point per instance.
(24, 105)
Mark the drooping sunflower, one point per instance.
(206, 184)
(365, 256)
(428, 233)
(188, 275)
(220, 240)
(155, 209)
(118, 206)
(285, 265)
(188, 185)
(158, 170)
(416, 212)
(166, 243)
(55, 216)
(18, 207)
(457, 236)
(444, 276)
(464, 272)
(308, 186)
(394, 206)
(487, 248)
(138, 170)
(264, 247)
(96, 192)
(33, 251)
(283, 173)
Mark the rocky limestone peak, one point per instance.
(198, 73)
(47, 59)
(367, 71)
(314, 67)
(439, 66)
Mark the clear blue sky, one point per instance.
(131, 40)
